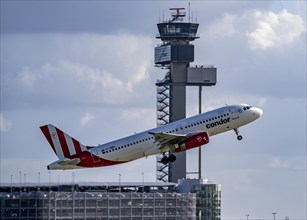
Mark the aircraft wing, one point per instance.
(164, 138)
(171, 140)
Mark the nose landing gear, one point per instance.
(239, 137)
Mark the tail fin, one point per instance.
(63, 145)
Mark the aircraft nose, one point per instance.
(258, 112)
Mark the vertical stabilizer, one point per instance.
(62, 144)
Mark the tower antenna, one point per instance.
(189, 12)
(196, 16)
(163, 16)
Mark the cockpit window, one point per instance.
(247, 107)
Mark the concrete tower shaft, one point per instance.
(175, 54)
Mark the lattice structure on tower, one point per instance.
(163, 117)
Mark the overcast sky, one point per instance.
(88, 68)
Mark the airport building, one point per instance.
(190, 199)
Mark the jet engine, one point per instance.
(193, 141)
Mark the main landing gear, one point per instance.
(167, 159)
(239, 137)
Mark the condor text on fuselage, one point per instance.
(213, 124)
(174, 137)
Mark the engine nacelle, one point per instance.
(193, 141)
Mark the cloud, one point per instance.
(252, 63)
(275, 29)
(259, 30)
(143, 118)
(89, 69)
(224, 27)
(74, 82)
(5, 125)
(87, 118)
(278, 163)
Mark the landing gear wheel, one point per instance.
(165, 160)
(239, 137)
(172, 158)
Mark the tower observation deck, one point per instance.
(176, 36)
(176, 30)
(175, 54)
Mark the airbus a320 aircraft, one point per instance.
(174, 137)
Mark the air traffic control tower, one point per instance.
(175, 55)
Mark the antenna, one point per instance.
(192, 17)
(189, 12)
(196, 16)
(178, 15)
(163, 16)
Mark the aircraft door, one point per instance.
(234, 112)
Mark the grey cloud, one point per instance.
(104, 16)
(226, 44)
(70, 69)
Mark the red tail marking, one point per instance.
(63, 143)
(88, 160)
(77, 146)
(46, 132)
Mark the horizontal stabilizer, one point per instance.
(64, 164)
(69, 162)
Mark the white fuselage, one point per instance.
(143, 144)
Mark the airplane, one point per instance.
(174, 137)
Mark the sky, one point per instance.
(88, 68)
